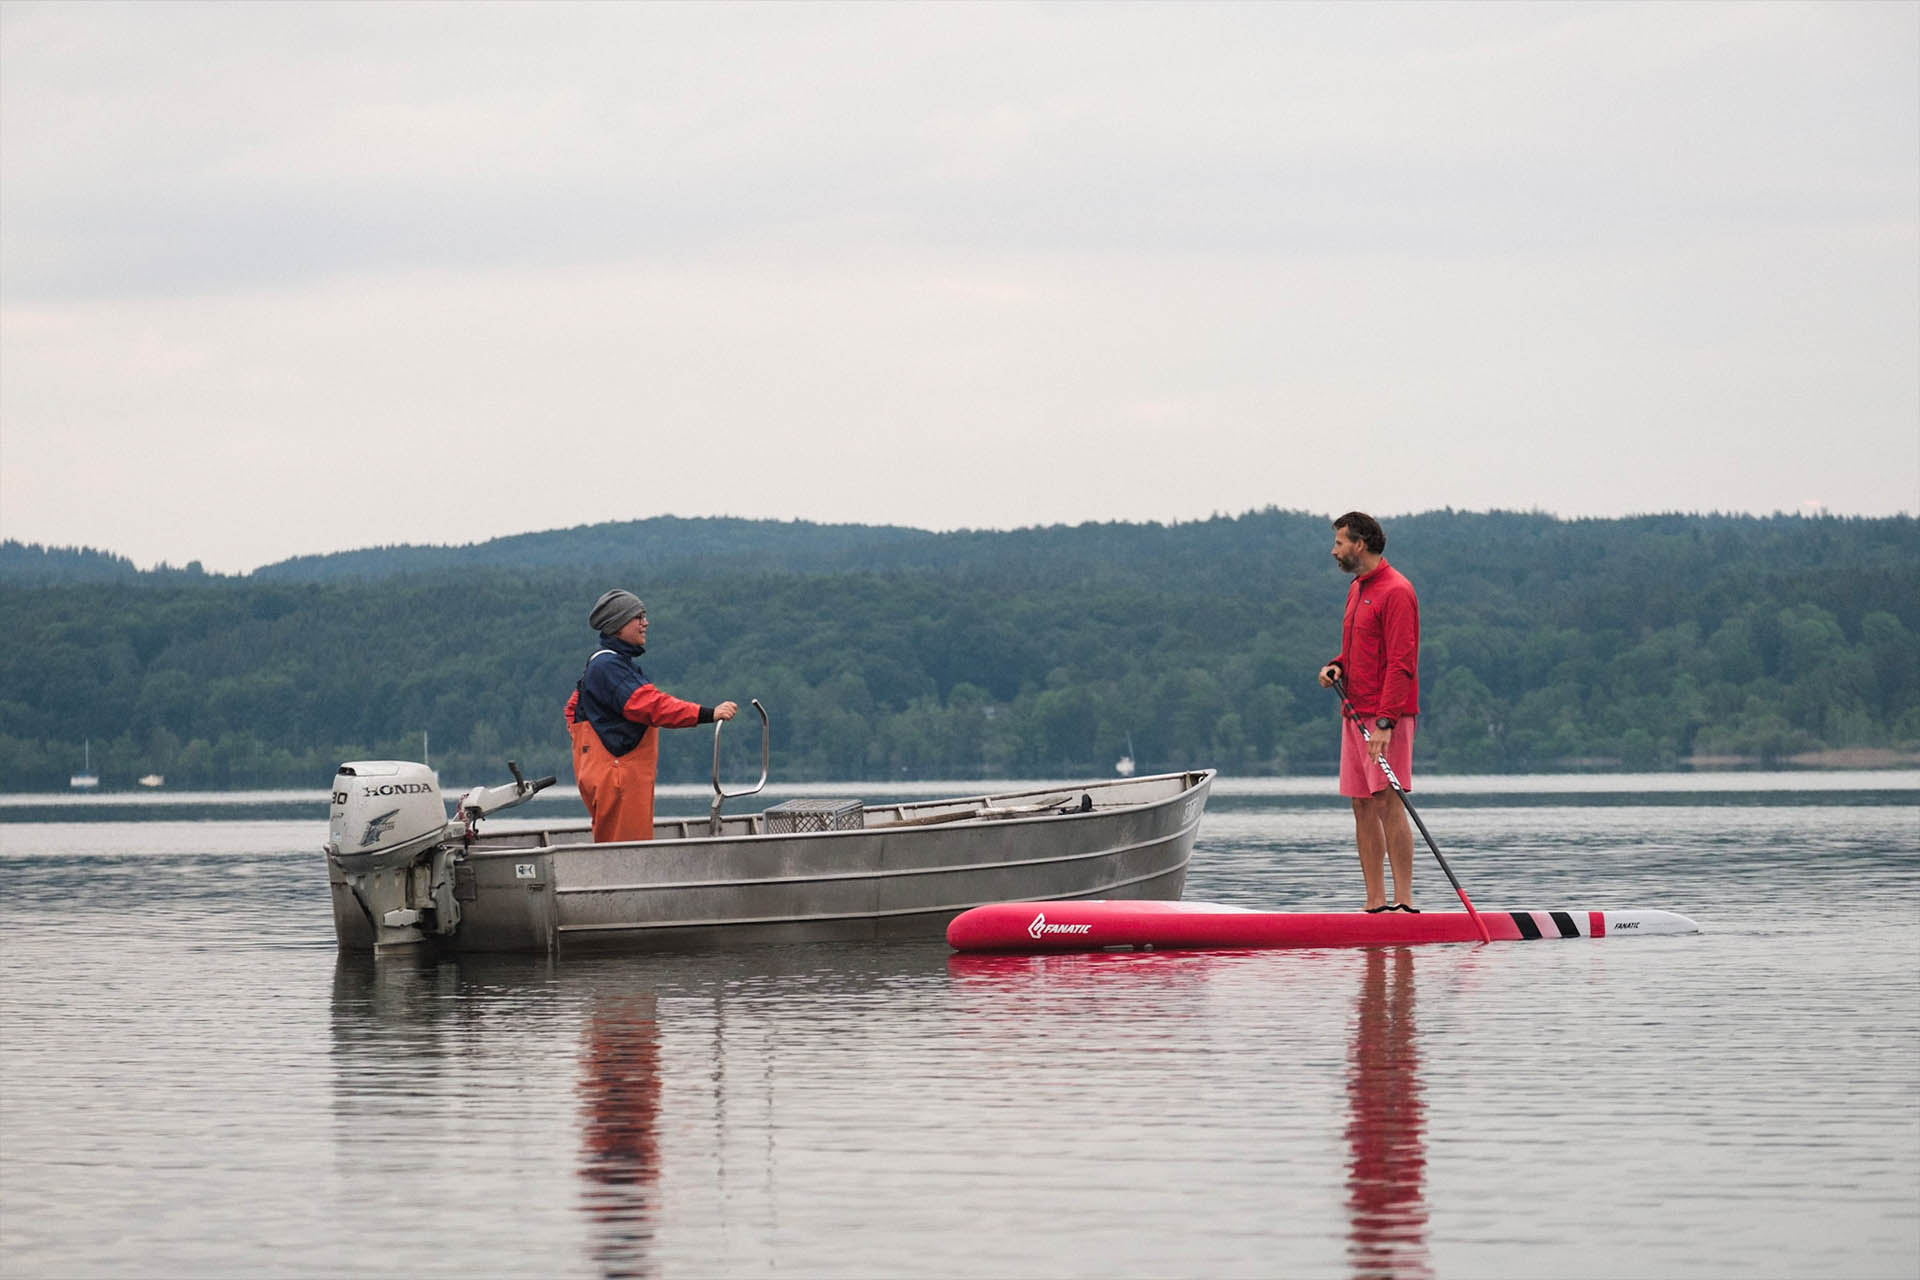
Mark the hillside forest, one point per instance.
(1646, 643)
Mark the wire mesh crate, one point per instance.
(792, 816)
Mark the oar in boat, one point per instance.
(1359, 722)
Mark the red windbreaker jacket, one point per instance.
(1380, 644)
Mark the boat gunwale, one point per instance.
(1197, 777)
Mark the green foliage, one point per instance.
(1043, 652)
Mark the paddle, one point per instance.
(1340, 687)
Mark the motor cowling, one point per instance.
(384, 809)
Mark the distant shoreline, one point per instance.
(1829, 758)
(1812, 765)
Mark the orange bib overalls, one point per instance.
(618, 790)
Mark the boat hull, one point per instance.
(1203, 926)
(905, 873)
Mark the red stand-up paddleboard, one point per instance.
(1093, 925)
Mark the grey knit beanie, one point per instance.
(615, 610)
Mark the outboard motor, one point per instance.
(385, 810)
(391, 846)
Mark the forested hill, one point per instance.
(663, 544)
(24, 564)
(1257, 551)
(890, 652)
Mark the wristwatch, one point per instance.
(1383, 722)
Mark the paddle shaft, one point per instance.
(1359, 722)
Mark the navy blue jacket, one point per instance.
(618, 700)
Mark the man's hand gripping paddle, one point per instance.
(1359, 722)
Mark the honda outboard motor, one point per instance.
(385, 810)
(391, 846)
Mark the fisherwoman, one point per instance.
(611, 716)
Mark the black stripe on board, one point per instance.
(1568, 929)
(1524, 919)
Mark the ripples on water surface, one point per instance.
(192, 1083)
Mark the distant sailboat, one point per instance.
(85, 779)
(152, 780)
(1124, 765)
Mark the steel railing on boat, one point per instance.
(720, 795)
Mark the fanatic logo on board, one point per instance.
(1040, 928)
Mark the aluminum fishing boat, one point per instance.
(406, 873)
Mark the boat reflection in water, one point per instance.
(394, 1055)
(1386, 1126)
(620, 1133)
(457, 1072)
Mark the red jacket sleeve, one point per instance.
(1401, 619)
(650, 706)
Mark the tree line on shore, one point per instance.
(887, 653)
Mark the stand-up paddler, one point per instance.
(1380, 662)
(613, 716)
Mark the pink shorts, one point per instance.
(1360, 773)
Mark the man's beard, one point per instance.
(1348, 563)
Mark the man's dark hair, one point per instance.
(1359, 524)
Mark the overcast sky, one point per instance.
(284, 278)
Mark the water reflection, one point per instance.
(1386, 1127)
(1081, 1005)
(1012, 984)
(620, 1138)
(389, 1058)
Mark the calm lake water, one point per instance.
(193, 1082)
